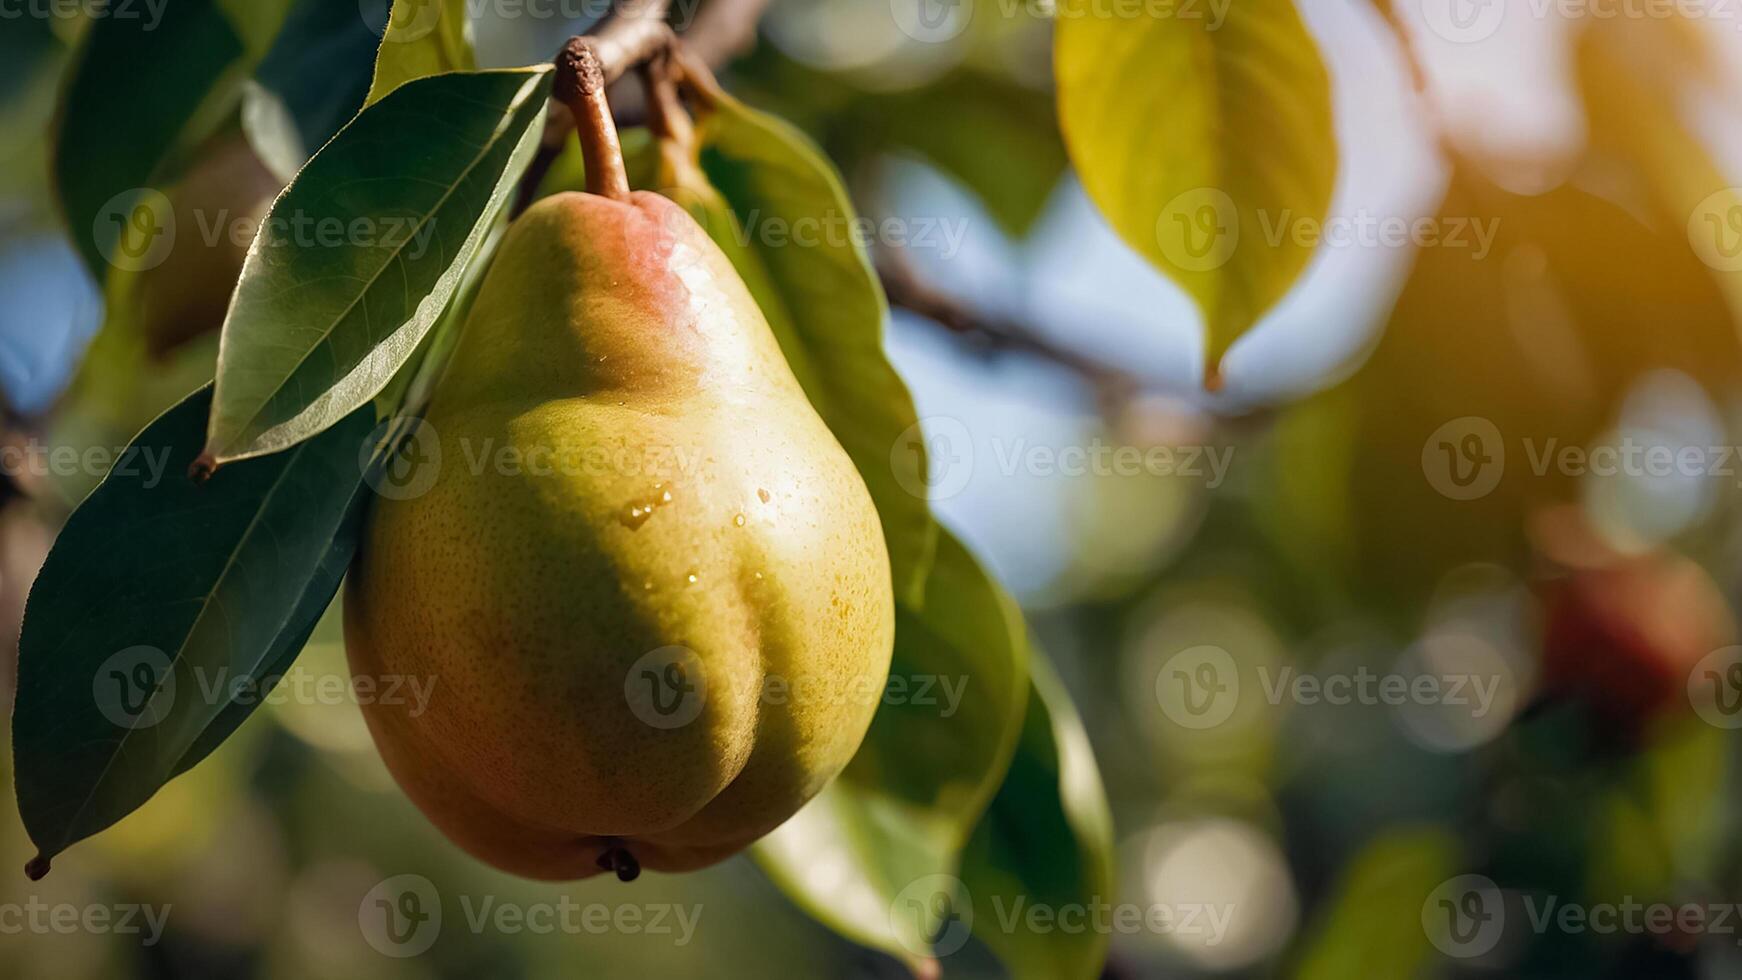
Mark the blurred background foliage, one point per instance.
(1592, 319)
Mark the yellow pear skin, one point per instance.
(647, 585)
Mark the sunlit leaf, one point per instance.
(423, 37)
(364, 251)
(165, 611)
(827, 308)
(272, 132)
(893, 825)
(1198, 136)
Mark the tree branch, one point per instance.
(635, 33)
(906, 291)
(724, 30)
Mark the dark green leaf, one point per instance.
(161, 607)
(364, 251)
(141, 87)
(321, 66)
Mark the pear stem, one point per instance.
(580, 83)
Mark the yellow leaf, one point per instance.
(423, 37)
(1200, 137)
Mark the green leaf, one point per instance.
(827, 308)
(322, 65)
(1046, 841)
(162, 605)
(140, 89)
(362, 253)
(423, 38)
(899, 815)
(1197, 137)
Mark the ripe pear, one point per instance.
(646, 587)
